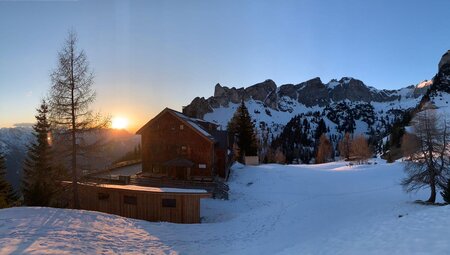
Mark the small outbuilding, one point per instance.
(146, 203)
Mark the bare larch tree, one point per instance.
(324, 150)
(345, 146)
(70, 99)
(360, 151)
(427, 152)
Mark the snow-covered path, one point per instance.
(273, 209)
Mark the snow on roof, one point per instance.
(152, 189)
(193, 123)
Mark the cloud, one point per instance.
(23, 124)
(29, 93)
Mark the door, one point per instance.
(181, 173)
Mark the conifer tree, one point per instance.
(321, 128)
(242, 128)
(7, 195)
(39, 177)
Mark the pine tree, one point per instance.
(446, 192)
(242, 129)
(39, 177)
(7, 195)
(321, 128)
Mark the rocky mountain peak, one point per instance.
(445, 60)
(310, 93)
(441, 81)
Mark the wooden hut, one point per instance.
(177, 147)
(146, 203)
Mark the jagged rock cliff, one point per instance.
(310, 93)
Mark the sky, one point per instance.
(148, 55)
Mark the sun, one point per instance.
(119, 123)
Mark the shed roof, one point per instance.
(153, 189)
(143, 188)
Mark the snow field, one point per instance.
(273, 209)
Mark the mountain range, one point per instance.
(345, 105)
(336, 102)
(15, 141)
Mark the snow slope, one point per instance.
(297, 209)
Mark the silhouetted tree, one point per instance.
(242, 128)
(71, 96)
(40, 179)
(7, 195)
(428, 164)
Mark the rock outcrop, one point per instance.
(445, 60)
(441, 81)
(309, 93)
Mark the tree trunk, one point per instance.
(432, 198)
(76, 202)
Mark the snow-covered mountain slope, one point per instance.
(337, 102)
(273, 209)
(14, 142)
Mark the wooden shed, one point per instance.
(146, 203)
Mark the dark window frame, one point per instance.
(169, 202)
(130, 200)
(102, 196)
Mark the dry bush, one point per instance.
(279, 157)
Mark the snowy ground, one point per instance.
(273, 209)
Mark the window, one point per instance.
(181, 127)
(171, 203)
(202, 166)
(103, 196)
(156, 169)
(184, 150)
(130, 200)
